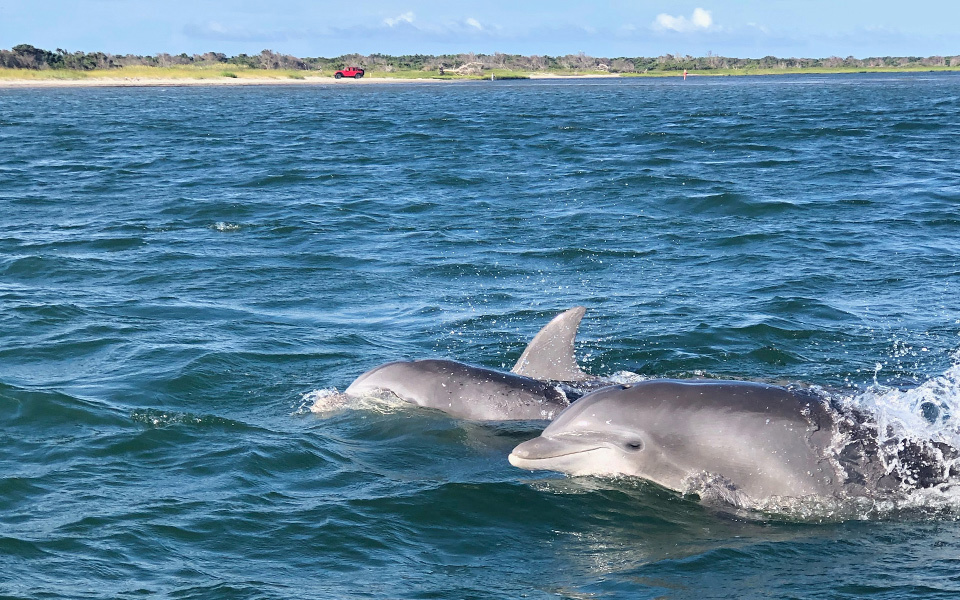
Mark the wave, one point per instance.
(293, 176)
(916, 126)
(163, 418)
(40, 409)
(731, 203)
(572, 253)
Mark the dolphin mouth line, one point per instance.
(548, 457)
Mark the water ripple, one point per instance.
(181, 268)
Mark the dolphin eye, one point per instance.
(634, 445)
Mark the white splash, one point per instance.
(930, 411)
(917, 434)
(224, 226)
(909, 437)
(329, 401)
(624, 377)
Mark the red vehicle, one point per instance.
(355, 72)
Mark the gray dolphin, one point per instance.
(532, 389)
(742, 441)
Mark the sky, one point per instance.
(744, 28)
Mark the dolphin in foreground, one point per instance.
(733, 441)
(542, 383)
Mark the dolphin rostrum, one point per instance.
(738, 440)
(532, 390)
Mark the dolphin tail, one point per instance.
(550, 355)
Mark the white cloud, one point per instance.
(406, 17)
(474, 23)
(700, 20)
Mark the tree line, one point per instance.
(25, 56)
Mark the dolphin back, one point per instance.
(463, 391)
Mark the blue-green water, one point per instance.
(184, 272)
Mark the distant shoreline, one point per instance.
(188, 82)
(201, 78)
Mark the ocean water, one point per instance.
(187, 275)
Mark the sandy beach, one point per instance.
(177, 82)
(244, 81)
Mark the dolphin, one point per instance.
(735, 441)
(538, 387)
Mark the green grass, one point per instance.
(576, 73)
(505, 74)
(31, 75)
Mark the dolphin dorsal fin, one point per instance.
(550, 355)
